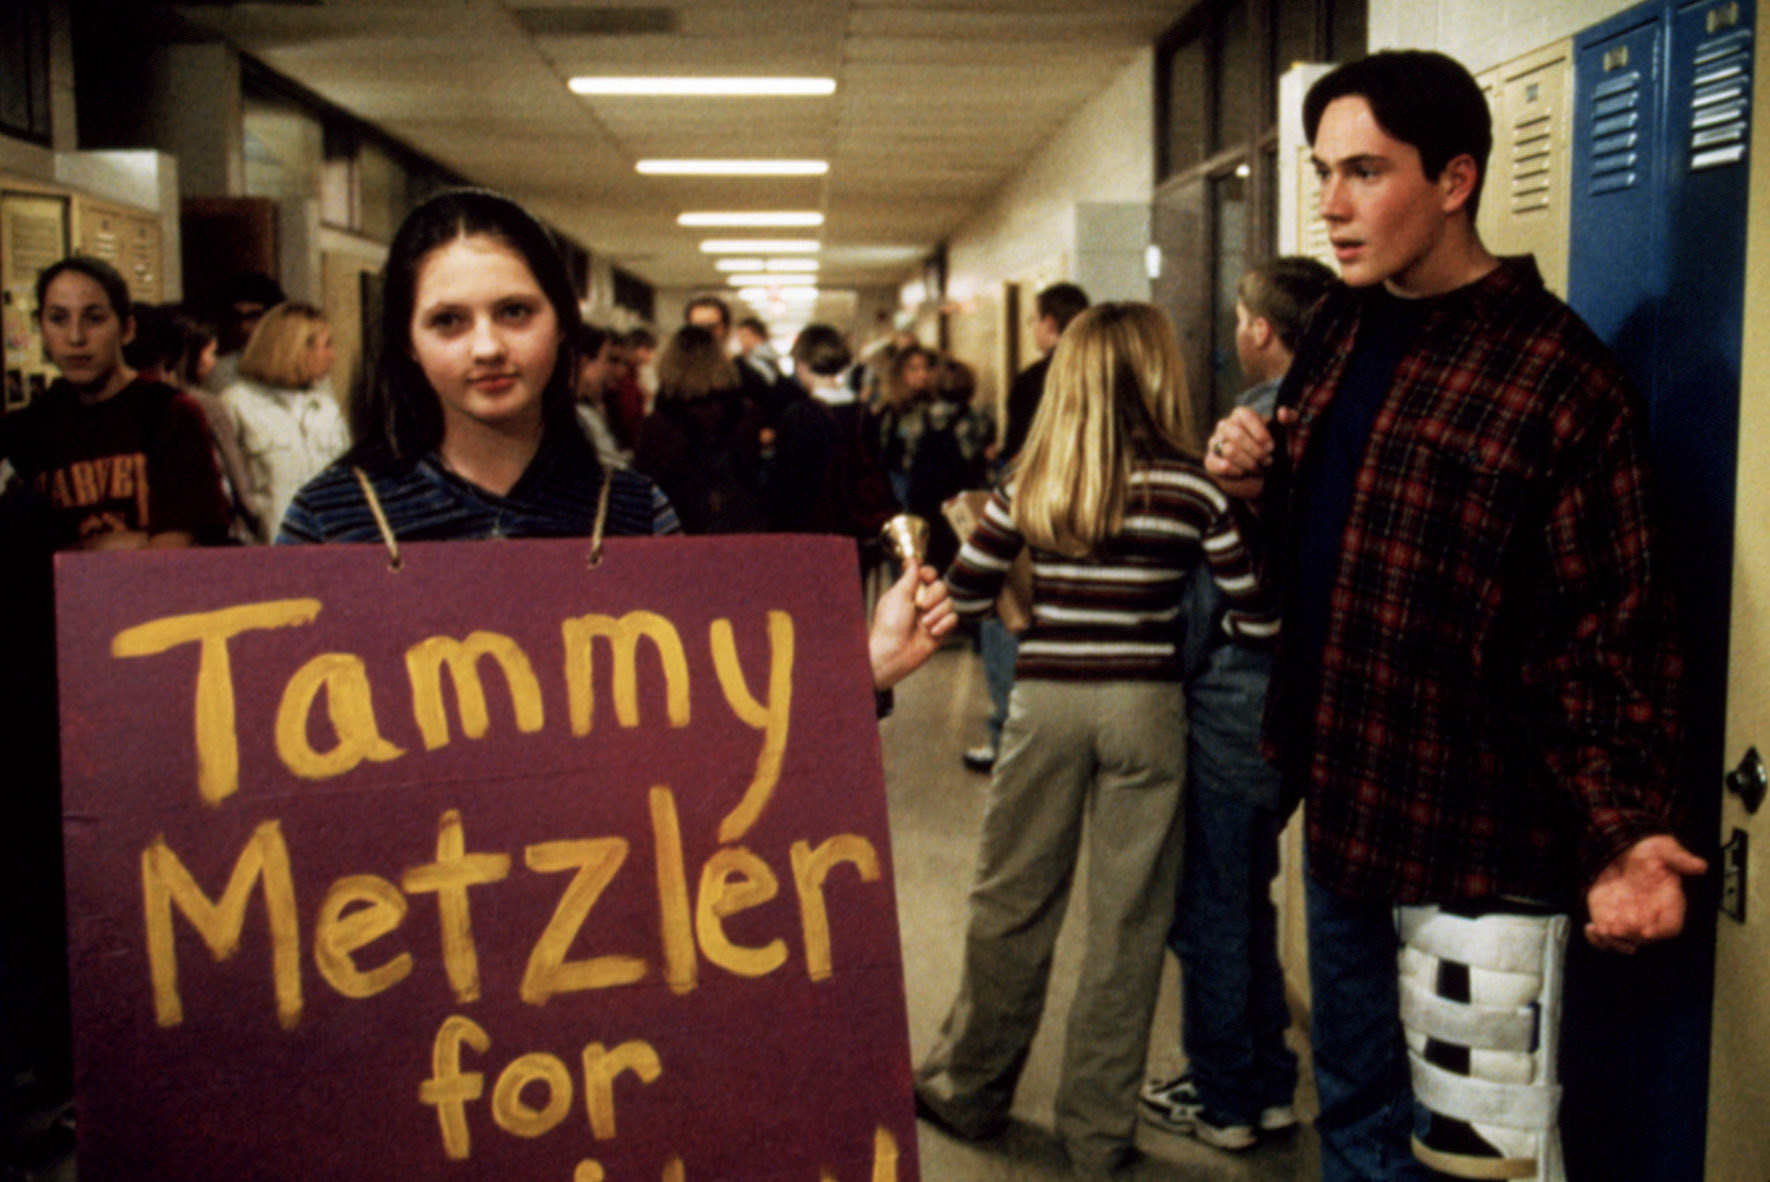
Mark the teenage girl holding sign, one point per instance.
(466, 427)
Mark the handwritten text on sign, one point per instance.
(493, 867)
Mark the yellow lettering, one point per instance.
(681, 969)
(589, 1171)
(884, 1155)
(884, 1158)
(597, 861)
(771, 719)
(810, 868)
(337, 935)
(448, 1088)
(602, 1067)
(623, 636)
(218, 751)
(734, 880)
(165, 882)
(424, 665)
(449, 876)
(349, 705)
(508, 1108)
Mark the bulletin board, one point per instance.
(33, 234)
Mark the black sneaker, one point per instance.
(1174, 1105)
(980, 759)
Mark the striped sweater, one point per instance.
(1115, 615)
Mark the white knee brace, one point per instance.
(1481, 1005)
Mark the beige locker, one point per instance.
(1525, 201)
(33, 234)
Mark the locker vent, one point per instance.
(1720, 100)
(1533, 154)
(1616, 133)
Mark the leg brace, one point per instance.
(1481, 1005)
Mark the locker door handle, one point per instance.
(1749, 780)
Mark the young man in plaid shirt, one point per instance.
(1476, 689)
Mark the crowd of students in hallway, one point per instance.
(1135, 695)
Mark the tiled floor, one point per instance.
(936, 806)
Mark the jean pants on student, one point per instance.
(1225, 933)
(1361, 1074)
(1000, 649)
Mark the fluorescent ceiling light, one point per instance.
(776, 266)
(734, 167)
(760, 279)
(760, 246)
(703, 86)
(766, 295)
(775, 218)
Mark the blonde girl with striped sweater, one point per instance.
(1110, 498)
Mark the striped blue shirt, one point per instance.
(555, 498)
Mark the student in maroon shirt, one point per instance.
(1476, 689)
(113, 460)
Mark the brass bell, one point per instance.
(906, 539)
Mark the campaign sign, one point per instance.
(492, 866)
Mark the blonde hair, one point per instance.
(277, 353)
(1115, 395)
(694, 365)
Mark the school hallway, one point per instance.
(936, 809)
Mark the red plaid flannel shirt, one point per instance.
(1497, 706)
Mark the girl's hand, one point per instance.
(909, 622)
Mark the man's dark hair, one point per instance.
(1421, 98)
(1282, 290)
(640, 338)
(752, 324)
(251, 287)
(708, 301)
(591, 340)
(822, 350)
(1062, 302)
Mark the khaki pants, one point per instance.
(1114, 753)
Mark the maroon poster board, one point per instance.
(641, 927)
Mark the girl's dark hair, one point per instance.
(116, 289)
(1421, 98)
(396, 418)
(158, 341)
(198, 334)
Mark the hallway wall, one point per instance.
(1028, 233)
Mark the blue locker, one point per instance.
(1657, 268)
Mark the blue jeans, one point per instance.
(1233, 1012)
(1000, 648)
(1225, 932)
(1361, 1073)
